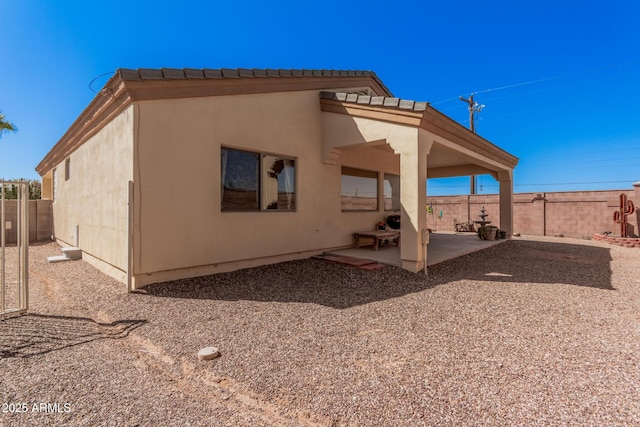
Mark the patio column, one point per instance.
(413, 199)
(506, 201)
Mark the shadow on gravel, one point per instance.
(320, 282)
(306, 281)
(36, 334)
(525, 261)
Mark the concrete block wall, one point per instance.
(40, 220)
(578, 214)
(528, 214)
(453, 208)
(574, 214)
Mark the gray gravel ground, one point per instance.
(535, 331)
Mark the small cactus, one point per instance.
(620, 216)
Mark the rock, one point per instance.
(208, 353)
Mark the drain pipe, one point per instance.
(130, 237)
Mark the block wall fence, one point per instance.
(579, 214)
(40, 220)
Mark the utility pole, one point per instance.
(474, 108)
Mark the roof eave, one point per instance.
(146, 89)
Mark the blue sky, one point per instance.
(560, 79)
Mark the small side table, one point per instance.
(378, 236)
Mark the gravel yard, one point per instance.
(534, 331)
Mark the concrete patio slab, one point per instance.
(442, 246)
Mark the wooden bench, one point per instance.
(378, 236)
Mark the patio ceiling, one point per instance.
(445, 162)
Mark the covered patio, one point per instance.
(442, 246)
(426, 144)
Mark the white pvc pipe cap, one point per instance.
(208, 353)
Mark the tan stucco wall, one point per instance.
(47, 186)
(180, 224)
(95, 196)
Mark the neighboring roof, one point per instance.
(127, 86)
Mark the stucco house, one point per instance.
(173, 173)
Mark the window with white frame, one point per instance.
(252, 181)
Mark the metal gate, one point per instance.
(14, 248)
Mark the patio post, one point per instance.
(413, 199)
(506, 201)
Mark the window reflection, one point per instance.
(391, 192)
(253, 181)
(359, 190)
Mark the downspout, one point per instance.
(130, 237)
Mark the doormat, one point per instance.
(363, 264)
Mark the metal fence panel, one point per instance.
(14, 258)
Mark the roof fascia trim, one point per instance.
(245, 74)
(190, 88)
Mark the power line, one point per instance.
(96, 78)
(560, 76)
(603, 163)
(565, 87)
(574, 183)
(530, 82)
(540, 184)
(516, 85)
